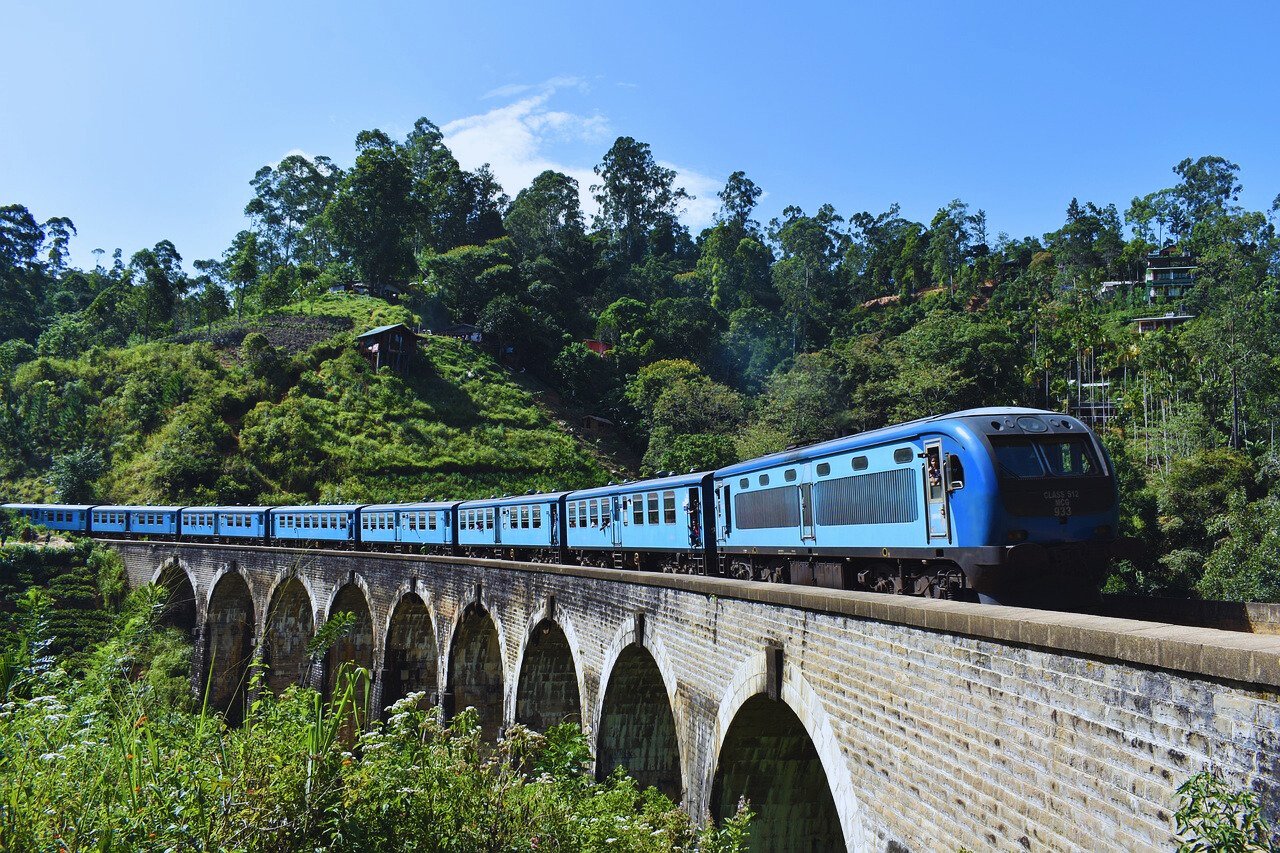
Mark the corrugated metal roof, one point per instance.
(382, 329)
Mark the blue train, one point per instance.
(996, 504)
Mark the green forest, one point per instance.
(139, 380)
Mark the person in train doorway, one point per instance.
(935, 472)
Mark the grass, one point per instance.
(181, 423)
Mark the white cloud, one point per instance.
(522, 139)
(512, 89)
(700, 211)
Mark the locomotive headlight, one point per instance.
(1017, 536)
(1102, 531)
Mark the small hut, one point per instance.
(389, 346)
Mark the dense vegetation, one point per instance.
(102, 748)
(161, 422)
(742, 339)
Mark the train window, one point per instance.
(789, 475)
(342, 522)
(431, 521)
(824, 468)
(653, 507)
(903, 455)
(593, 513)
(537, 516)
(524, 517)
(488, 519)
(668, 507)
(637, 509)
(860, 462)
(744, 483)
(573, 515)
(764, 479)
(364, 522)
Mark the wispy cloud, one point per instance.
(525, 137)
(511, 90)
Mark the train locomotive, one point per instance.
(1004, 505)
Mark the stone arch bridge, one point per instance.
(850, 720)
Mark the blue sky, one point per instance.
(143, 121)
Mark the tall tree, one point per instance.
(737, 201)
(949, 241)
(243, 266)
(638, 199)
(21, 273)
(545, 215)
(287, 199)
(371, 216)
(807, 277)
(160, 284)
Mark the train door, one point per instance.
(807, 533)
(693, 508)
(615, 519)
(722, 513)
(500, 513)
(936, 493)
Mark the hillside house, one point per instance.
(389, 346)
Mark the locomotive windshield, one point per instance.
(1026, 457)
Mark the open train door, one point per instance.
(615, 520)
(722, 513)
(935, 491)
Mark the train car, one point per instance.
(315, 525)
(108, 519)
(521, 527)
(422, 527)
(650, 524)
(74, 518)
(138, 521)
(987, 503)
(225, 522)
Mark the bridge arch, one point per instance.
(476, 673)
(549, 682)
(759, 739)
(228, 643)
(410, 653)
(288, 625)
(183, 609)
(356, 647)
(637, 723)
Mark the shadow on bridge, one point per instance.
(637, 726)
(547, 688)
(475, 670)
(769, 759)
(410, 654)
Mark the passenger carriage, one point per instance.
(137, 521)
(69, 518)
(524, 527)
(212, 523)
(422, 527)
(314, 525)
(649, 524)
(108, 519)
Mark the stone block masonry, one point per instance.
(850, 720)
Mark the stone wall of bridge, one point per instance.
(848, 719)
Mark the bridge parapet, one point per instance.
(882, 722)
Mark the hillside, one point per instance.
(277, 410)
